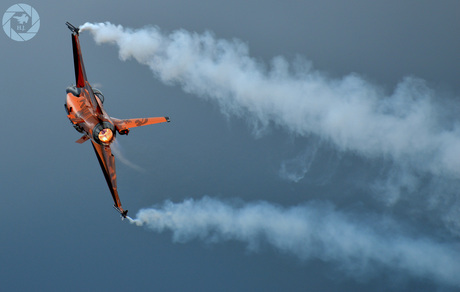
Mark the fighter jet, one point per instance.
(84, 107)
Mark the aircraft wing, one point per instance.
(123, 126)
(107, 162)
(80, 73)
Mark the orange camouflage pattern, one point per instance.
(85, 111)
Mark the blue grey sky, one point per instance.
(340, 175)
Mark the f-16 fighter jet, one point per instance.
(86, 113)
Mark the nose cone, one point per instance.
(105, 135)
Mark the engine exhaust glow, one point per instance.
(105, 135)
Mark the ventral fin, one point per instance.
(83, 139)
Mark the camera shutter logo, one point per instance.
(21, 22)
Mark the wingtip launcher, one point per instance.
(72, 28)
(123, 213)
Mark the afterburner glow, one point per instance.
(105, 135)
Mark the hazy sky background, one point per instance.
(369, 220)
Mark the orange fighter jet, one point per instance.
(85, 112)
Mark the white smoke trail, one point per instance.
(117, 150)
(314, 230)
(406, 127)
(352, 113)
(295, 169)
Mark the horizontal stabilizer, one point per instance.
(124, 125)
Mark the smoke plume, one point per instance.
(313, 230)
(407, 127)
(350, 112)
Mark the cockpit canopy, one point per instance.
(74, 90)
(99, 94)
